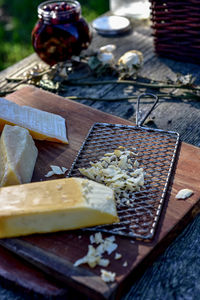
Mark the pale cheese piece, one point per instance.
(56, 170)
(18, 155)
(125, 264)
(184, 193)
(118, 255)
(55, 205)
(92, 258)
(107, 276)
(42, 125)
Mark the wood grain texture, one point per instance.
(56, 253)
(26, 278)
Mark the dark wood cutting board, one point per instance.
(55, 253)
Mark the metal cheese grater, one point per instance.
(156, 151)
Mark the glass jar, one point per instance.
(60, 32)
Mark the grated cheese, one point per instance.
(118, 171)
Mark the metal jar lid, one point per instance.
(111, 25)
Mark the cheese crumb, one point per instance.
(109, 246)
(107, 276)
(96, 238)
(49, 174)
(104, 262)
(92, 258)
(184, 193)
(56, 170)
(118, 255)
(125, 264)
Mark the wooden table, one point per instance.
(175, 274)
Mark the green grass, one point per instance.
(17, 19)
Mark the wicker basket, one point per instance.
(176, 26)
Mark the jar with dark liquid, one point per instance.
(60, 32)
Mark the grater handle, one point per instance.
(139, 119)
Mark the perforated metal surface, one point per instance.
(156, 153)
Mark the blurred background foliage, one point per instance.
(17, 18)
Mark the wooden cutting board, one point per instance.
(55, 253)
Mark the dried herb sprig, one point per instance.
(133, 82)
(134, 97)
(57, 79)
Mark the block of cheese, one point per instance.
(18, 155)
(55, 205)
(42, 125)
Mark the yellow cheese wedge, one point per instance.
(55, 205)
(18, 155)
(42, 125)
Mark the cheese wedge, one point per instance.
(55, 205)
(18, 155)
(42, 125)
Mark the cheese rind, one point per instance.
(42, 125)
(55, 205)
(18, 155)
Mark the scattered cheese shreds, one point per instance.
(107, 276)
(184, 193)
(94, 255)
(92, 258)
(56, 170)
